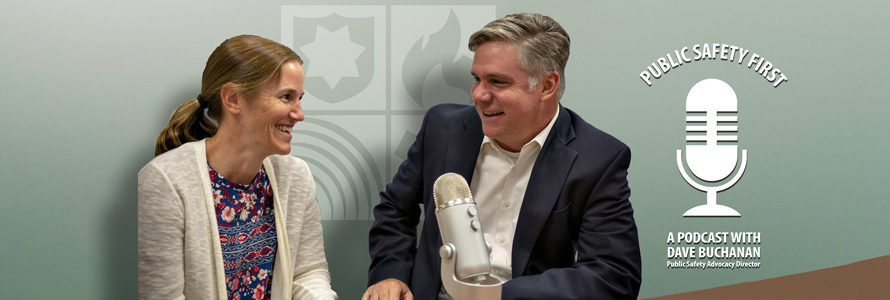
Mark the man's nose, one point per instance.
(480, 93)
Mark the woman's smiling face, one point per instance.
(270, 115)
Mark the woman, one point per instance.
(225, 212)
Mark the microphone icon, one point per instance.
(711, 157)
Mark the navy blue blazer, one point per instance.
(576, 202)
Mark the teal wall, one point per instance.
(87, 85)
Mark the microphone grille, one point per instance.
(450, 186)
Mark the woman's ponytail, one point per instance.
(187, 124)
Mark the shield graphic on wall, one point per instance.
(338, 55)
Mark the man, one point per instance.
(548, 185)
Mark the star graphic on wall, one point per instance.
(333, 55)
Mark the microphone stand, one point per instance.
(485, 288)
(712, 209)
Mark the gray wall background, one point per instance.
(87, 85)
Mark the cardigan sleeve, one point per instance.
(311, 277)
(160, 237)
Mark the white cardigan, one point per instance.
(180, 256)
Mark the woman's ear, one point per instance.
(230, 98)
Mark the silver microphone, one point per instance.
(459, 225)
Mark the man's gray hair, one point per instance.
(542, 44)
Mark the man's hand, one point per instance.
(389, 289)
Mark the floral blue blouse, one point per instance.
(247, 234)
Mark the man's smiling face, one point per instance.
(510, 112)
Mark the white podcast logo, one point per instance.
(711, 156)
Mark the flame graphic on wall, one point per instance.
(440, 52)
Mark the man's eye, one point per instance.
(286, 98)
(476, 79)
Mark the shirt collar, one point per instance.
(539, 139)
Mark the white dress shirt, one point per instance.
(498, 186)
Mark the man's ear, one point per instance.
(230, 98)
(550, 83)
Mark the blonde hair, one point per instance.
(248, 61)
(543, 44)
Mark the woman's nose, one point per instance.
(297, 114)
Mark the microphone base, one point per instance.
(487, 289)
(712, 210)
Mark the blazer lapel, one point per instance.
(463, 149)
(544, 187)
